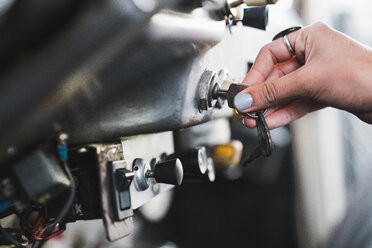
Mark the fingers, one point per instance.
(287, 114)
(283, 69)
(270, 55)
(274, 92)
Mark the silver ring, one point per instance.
(255, 116)
(288, 45)
(286, 31)
(284, 34)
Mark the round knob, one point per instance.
(169, 172)
(228, 155)
(256, 17)
(194, 162)
(211, 170)
(209, 176)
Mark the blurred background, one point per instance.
(297, 197)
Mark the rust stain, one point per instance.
(195, 121)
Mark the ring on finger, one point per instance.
(288, 45)
(284, 34)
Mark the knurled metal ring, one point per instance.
(255, 116)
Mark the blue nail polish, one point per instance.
(243, 101)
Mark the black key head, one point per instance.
(264, 147)
(264, 136)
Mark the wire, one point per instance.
(64, 210)
(10, 238)
(39, 237)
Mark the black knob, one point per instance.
(169, 172)
(209, 176)
(256, 17)
(193, 162)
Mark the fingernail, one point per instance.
(243, 101)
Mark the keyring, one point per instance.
(255, 116)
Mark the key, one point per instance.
(230, 93)
(264, 147)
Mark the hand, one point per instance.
(329, 69)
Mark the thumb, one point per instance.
(271, 93)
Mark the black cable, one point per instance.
(7, 212)
(10, 238)
(65, 208)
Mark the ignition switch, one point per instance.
(211, 92)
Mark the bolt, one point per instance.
(203, 104)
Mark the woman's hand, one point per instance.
(329, 69)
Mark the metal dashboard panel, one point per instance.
(128, 81)
(160, 98)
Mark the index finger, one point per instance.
(271, 54)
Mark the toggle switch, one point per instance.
(121, 178)
(193, 162)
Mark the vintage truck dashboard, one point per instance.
(106, 104)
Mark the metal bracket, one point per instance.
(114, 229)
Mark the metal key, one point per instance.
(264, 147)
(230, 93)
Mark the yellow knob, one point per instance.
(227, 155)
